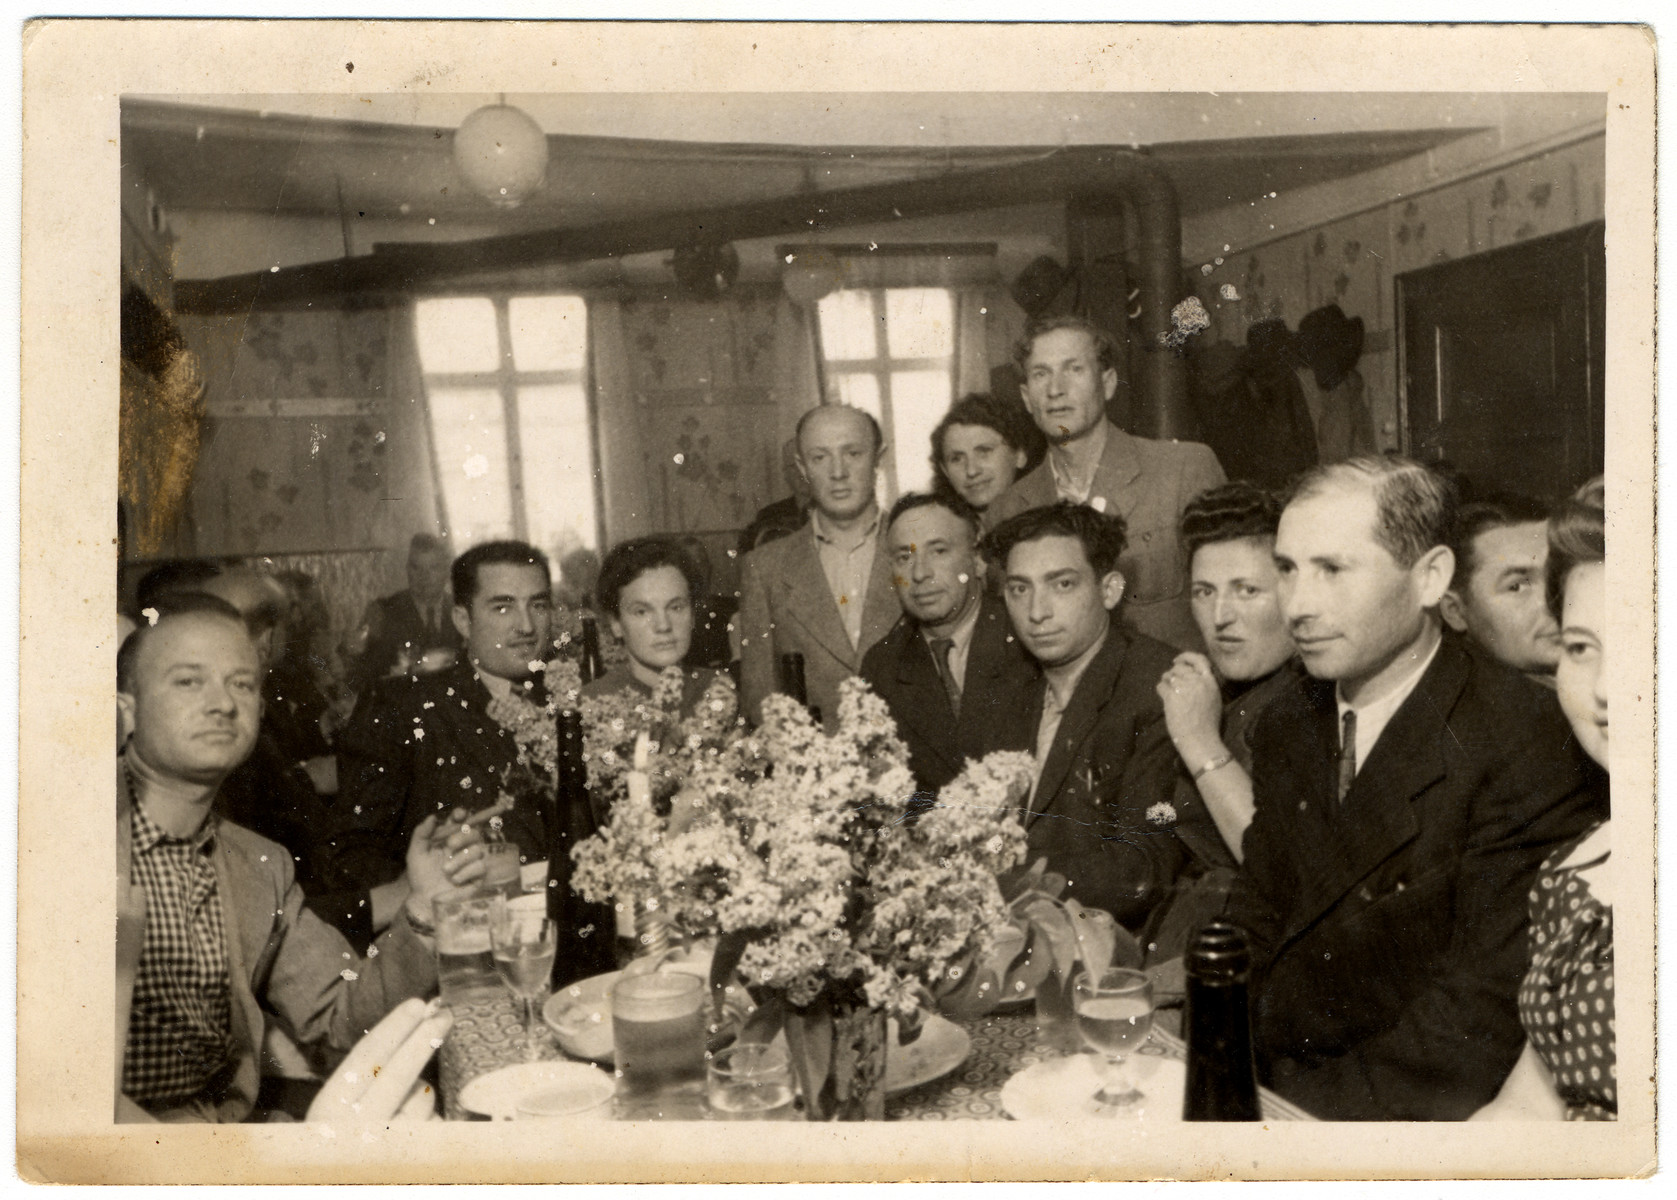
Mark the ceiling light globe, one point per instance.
(501, 153)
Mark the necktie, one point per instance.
(940, 658)
(1347, 752)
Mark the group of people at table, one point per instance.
(1363, 722)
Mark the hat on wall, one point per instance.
(1037, 286)
(1329, 343)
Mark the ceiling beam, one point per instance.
(410, 267)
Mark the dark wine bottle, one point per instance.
(1222, 1085)
(592, 665)
(585, 930)
(792, 677)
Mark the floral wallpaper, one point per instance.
(702, 374)
(1352, 262)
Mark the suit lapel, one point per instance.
(927, 709)
(807, 599)
(1093, 691)
(984, 672)
(1120, 467)
(488, 751)
(1377, 818)
(881, 608)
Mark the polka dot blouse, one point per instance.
(1566, 1001)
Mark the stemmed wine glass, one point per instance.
(1114, 1016)
(524, 942)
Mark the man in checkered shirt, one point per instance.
(213, 939)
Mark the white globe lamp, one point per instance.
(502, 153)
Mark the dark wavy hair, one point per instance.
(463, 574)
(628, 561)
(1010, 421)
(1577, 537)
(1494, 512)
(1415, 507)
(1229, 512)
(1104, 537)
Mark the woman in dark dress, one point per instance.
(1569, 1067)
(646, 590)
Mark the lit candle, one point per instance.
(640, 793)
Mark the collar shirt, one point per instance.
(961, 637)
(1373, 718)
(180, 1025)
(847, 561)
(1070, 489)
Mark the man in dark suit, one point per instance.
(399, 630)
(1100, 810)
(430, 745)
(952, 672)
(1405, 795)
(825, 591)
(1070, 369)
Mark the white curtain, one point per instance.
(624, 470)
(797, 369)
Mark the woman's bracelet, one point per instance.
(1213, 764)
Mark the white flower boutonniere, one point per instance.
(1162, 813)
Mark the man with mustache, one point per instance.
(1405, 793)
(952, 672)
(1071, 374)
(430, 745)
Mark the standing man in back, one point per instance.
(1070, 375)
(825, 591)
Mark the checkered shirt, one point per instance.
(180, 1026)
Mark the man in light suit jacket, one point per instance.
(1406, 794)
(214, 940)
(1100, 811)
(825, 591)
(1069, 370)
(969, 704)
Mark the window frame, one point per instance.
(506, 379)
(882, 366)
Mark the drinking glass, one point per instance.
(465, 965)
(658, 1031)
(501, 872)
(749, 1082)
(524, 942)
(1114, 1016)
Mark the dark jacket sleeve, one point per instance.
(368, 831)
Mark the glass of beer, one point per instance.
(1114, 1016)
(501, 871)
(749, 1082)
(465, 963)
(658, 1028)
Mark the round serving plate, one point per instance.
(1061, 1089)
(550, 1090)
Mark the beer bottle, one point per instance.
(1222, 1085)
(792, 677)
(585, 930)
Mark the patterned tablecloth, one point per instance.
(487, 1035)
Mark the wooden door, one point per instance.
(1502, 364)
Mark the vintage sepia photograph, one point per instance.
(1018, 623)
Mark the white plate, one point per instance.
(1064, 1089)
(497, 1094)
(941, 1047)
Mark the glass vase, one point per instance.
(838, 1053)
